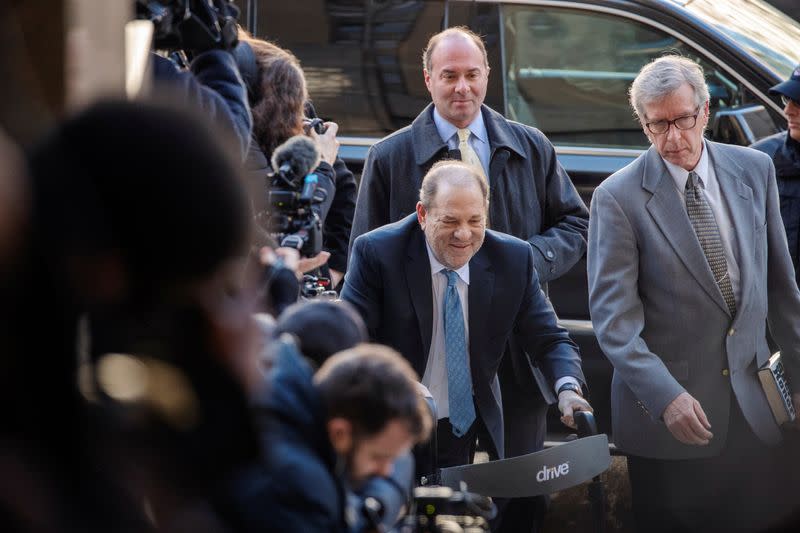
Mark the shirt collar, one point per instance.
(437, 267)
(680, 174)
(447, 130)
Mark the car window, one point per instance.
(568, 72)
(362, 59)
(765, 32)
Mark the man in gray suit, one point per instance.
(687, 260)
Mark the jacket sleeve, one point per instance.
(336, 234)
(362, 284)
(537, 328)
(279, 503)
(372, 204)
(565, 219)
(214, 84)
(326, 180)
(617, 311)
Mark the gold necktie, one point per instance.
(468, 155)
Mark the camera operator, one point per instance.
(208, 34)
(328, 434)
(279, 100)
(321, 329)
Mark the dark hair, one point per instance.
(322, 327)
(371, 385)
(144, 180)
(278, 105)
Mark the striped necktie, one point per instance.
(705, 226)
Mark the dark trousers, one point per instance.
(745, 488)
(455, 451)
(518, 515)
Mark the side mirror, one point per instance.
(742, 125)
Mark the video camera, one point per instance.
(444, 510)
(191, 25)
(292, 194)
(291, 216)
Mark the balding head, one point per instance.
(456, 32)
(452, 212)
(453, 173)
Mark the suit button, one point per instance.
(725, 372)
(549, 254)
(731, 332)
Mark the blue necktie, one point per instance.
(459, 385)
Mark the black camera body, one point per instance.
(442, 509)
(291, 219)
(292, 213)
(316, 124)
(191, 25)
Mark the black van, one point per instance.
(562, 66)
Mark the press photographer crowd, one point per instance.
(208, 325)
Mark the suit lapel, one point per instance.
(501, 143)
(481, 288)
(738, 196)
(425, 138)
(418, 278)
(666, 206)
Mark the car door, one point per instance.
(565, 68)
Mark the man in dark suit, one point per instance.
(532, 196)
(449, 295)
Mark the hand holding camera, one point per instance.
(324, 134)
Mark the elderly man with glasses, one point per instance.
(687, 260)
(784, 149)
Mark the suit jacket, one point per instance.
(532, 198)
(659, 315)
(389, 282)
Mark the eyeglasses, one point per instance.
(786, 101)
(685, 122)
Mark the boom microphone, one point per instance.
(296, 157)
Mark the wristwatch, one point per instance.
(571, 386)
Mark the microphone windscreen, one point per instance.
(299, 152)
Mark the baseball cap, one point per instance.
(790, 87)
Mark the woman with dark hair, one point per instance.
(279, 101)
(281, 109)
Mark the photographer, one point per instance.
(327, 434)
(212, 81)
(279, 100)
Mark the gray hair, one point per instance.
(452, 172)
(663, 76)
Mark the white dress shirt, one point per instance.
(478, 139)
(435, 377)
(709, 188)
